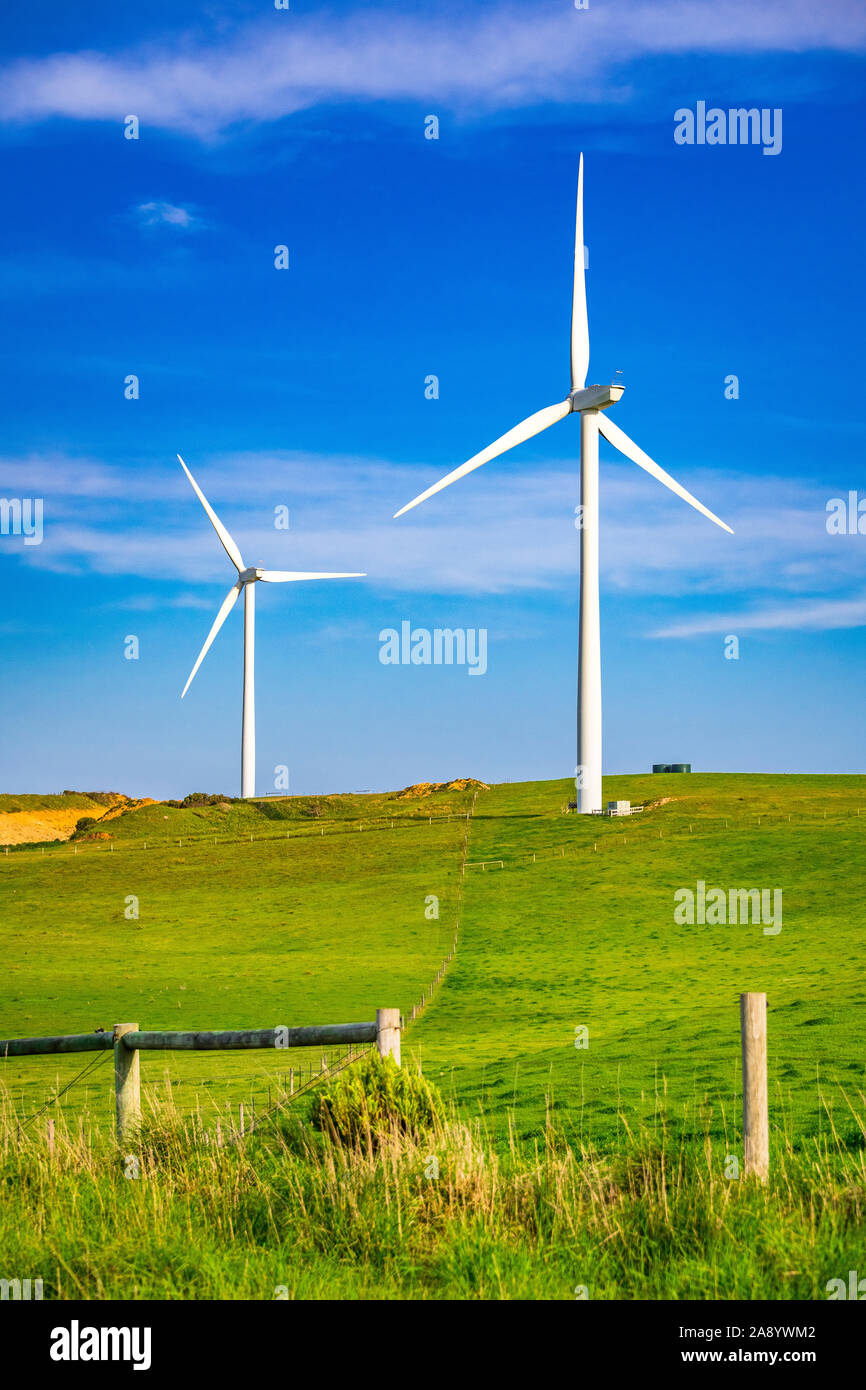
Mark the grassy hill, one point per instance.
(566, 923)
(589, 939)
(162, 823)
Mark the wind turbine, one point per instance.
(588, 402)
(247, 579)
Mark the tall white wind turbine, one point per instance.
(588, 402)
(246, 581)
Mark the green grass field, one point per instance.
(589, 939)
(305, 922)
(324, 915)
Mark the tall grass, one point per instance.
(292, 1212)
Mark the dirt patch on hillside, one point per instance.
(33, 827)
(662, 801)
(460, 784)
(28, 827)
(128, 805)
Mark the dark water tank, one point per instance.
(661, 767)
(681, 767)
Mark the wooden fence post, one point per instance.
(127, 1083)
(388, 1033)
(756, 1121)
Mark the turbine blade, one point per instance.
(579, 321)
(533, 425)
(228, 604)
(286, 576)
(620, 440)
(228, 544)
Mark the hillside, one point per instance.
(566, 924)
(199, 819)
(588, 939)
(47, 819)
(321, 914)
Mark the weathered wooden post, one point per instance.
(756, 1120)
(388, 1033)
(127, 1083)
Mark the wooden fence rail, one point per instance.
(71, 1042)
(323, 1035)
(128, 1041)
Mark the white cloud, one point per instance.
(825, 615)
(507, 528)
(491, 59)
(155, 214)
(151, 603)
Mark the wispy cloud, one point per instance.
(806, 616)
(164, 214)
(509, 528)
(151, 603)
(493, 59)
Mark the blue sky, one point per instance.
(305, 387)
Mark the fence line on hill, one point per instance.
(431, 990)
(647, 831)
(194, 839)
(610, 840)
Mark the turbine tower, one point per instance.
(247, 579)
(589, 402)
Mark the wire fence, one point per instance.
(616, 838)
(432, 988)
(106, 843)
(224, 1117)
(413, 819)
(590, 1095)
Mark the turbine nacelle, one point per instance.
(594, 397)
(250, 575)
(580, 399)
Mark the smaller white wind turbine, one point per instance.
(246, 580)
